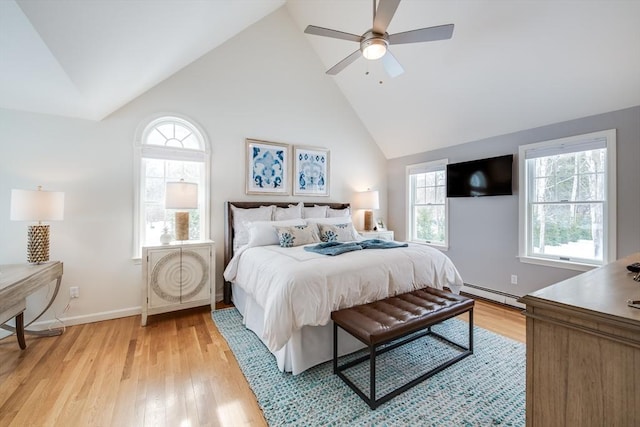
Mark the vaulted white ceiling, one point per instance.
(510, 65)
(86, 59)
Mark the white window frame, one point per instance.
(142, 151)
(568, 144)
(431, 166)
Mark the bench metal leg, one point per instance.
(335, 348)
(373, 352)
(372, 376)
(471, 330)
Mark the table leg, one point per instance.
(20, 330)
(45, 333)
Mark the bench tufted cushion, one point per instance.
(381, 321)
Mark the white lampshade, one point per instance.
(181, 195)
(37, 205)
(367, 200)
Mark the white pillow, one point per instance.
(315, 212)
(334, 220)
(337, 232)
(264, 233)
(338, 212)
(297, 235)
(243, 216)
(292, 212)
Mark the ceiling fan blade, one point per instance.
(391, 65)
(386, 10)
(343, 64)
(326, 32)
(441, 32)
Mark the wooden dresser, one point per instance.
(583, 350)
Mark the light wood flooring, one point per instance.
(177, 371)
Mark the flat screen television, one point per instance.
(484, 177)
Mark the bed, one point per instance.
(286, 294)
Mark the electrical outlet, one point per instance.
(74, 292)
(514, 279)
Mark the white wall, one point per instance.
(266, 83)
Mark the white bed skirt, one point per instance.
(307, 347)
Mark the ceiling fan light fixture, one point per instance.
(374, 48)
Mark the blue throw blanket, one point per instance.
(337, 248)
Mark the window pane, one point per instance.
(181, 132)
(429, 223)
(166, 129)
(569, 177)
(421, 198)
(154, 168)
(154, 221)
(430, 194)
(441, 194)
(191, 142)
(420, 180)
(191, 171)
(430, 179)
(155, 138)
(175, 170)
(154, 190)
(568, 230)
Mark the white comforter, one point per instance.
(298, 288)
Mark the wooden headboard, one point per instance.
(229, 233)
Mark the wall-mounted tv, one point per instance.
(484, 177)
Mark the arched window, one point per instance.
(167, 149)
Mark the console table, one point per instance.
(583, 350)
(17, 282)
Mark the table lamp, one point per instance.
(368, 200)
(37, 205)
(181, 195)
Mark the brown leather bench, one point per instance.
(399, 319)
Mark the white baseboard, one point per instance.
(492, 295)
(87, 318)
(90, 318)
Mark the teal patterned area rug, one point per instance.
(484, 389)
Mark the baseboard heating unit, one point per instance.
(492, 294)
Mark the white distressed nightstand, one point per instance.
(177, 276)
(380, 234)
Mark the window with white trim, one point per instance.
(568, 201)
(427, 219)
(168, 149)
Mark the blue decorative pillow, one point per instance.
(297, 235)
(337, 232)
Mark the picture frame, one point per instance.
(311, 171)
(267, 167)
(380, 225)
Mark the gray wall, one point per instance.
(483, 232)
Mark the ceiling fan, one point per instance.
(374, 43)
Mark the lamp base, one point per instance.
(38, 244)
(182, 225)
(368, 220)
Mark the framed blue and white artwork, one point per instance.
(267, 167)
(311, 171)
